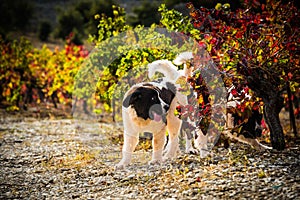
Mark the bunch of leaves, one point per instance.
(205, 39)
(120, 58)
(41, 72)
(54, 71)
(15, 75)
(30, 75)
(259, 49)
(176, 21)
(252, 45)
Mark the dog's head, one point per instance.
(151, 102)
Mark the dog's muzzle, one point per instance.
(158, 113)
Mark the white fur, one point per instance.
(183, 58)
(165, 67)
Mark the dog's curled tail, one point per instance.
(165, 67)
(183, 58)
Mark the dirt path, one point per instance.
(65, 159)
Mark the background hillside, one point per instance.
(51, 21)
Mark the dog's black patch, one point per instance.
(168, 94)
(145, 100)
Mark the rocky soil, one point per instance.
(71, 159)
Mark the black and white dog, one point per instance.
(150, 107)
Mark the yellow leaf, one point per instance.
(261, 174)
(10, 85)
(218, 6)
(200, 100)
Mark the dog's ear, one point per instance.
(130, 99)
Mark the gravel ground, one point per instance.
(65, 159)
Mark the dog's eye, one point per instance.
(153, 98)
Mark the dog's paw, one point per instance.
(168, 159)
(171, 151)
(203, 152)
(121, 165)
(192, 150)
(170, 154)
(155, 161)
(165, 159)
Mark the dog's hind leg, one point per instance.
(189, 136)
(189, 146)
(173, 129)
(201, 143)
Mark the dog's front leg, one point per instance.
(158, 145)
(130, 143)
